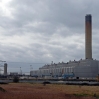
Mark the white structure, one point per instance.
(83, 69)
(14, 73)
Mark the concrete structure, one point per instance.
(14, 74)
(5, 69)
(88, 37)
(87, 68)
(83, 69)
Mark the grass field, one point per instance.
(50, 91)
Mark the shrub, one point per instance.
(3, 90)
(16, 79)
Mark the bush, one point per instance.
(3, 90)
(16, 79)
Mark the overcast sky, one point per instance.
(41, 31)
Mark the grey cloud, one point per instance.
(52, 12)
(49, 27)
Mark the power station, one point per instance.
(84, 68)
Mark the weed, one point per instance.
(2, 90)
(95, 95)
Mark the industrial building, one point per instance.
(4, 75)
(5, 69)
(83, 68)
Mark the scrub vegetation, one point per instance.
(50, 91)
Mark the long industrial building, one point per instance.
(84, 68)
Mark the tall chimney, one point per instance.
(5, 69)
(88, 37)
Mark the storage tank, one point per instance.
(5, 68)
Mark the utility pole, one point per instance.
(20, 71)
(31, 68)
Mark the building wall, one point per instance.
(82, 69)
(87, 69)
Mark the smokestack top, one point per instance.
(88, 18)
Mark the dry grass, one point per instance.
(51, 91)
(75, 89)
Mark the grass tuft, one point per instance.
(81, 95)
